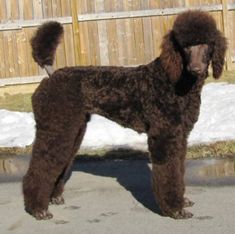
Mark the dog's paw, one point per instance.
(42, 215)
(182, 214)
(59, 200)
(188, 203)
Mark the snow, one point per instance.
(17, 129)
(217, 114)
(216, 123)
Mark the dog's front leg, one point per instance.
(167, 154)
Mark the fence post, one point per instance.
(76, 33)
(226, 32)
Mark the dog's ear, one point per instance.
(170, 57)
(218, 55)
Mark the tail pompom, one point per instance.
(45, 42)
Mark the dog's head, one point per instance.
(191, 45)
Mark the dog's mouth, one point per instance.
(197, 71)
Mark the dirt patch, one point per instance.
(16, 89)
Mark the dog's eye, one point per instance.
(210, 50)
(187, 49)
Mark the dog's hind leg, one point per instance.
(56, 197)
(52, 152)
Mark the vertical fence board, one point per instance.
(157, 33)
(79, 6)
(148, 39)
(85, 43)
(69, 45)
(61, 58)
(6, 50)
(14, 9)
(226, 31)
(76, 33)
(102, 34)
(85, 40)
(2, 56)
(130, 39)
(94, 45)
(22, 58)
(47, 8)
(93, 35)
(122, 45)
(231, 20)
(131, 60)
(103, 43)
(9, 54)
(56, 8)
(33, 68)
(8, 10)
(113, 43)
(28, 9)
(139, 40)
(21, 9)
(3, 10)
(15, 53)
(37, 9)
(138, 35)
(65, 7)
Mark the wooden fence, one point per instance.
(97, 32)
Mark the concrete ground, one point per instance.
(115, 197)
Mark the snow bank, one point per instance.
(216, 123)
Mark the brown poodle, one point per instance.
(161, 99)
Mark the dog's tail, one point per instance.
(44, 44)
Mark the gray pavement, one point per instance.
(115, 197)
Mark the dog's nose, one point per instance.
(195, 69)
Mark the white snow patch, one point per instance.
(216, 122)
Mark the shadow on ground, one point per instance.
(133, 175)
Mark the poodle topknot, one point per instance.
(195, 27)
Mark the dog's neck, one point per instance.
(186, 83)
(189, 83)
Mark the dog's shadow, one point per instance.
(133, 175)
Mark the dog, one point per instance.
(161, 99)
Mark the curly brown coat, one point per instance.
(161, 99)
